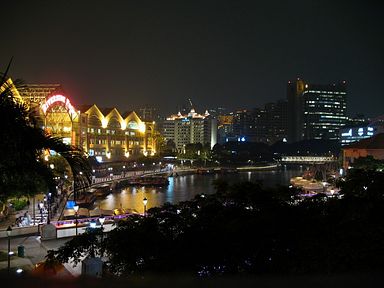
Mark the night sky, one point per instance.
(233, 54)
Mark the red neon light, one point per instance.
(59, 98)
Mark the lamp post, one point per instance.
(102, 220)
(9, 231)
(324, 186)
(34, 212)
(41, 206)
(145, 201)
(76, 208)
(49, 207)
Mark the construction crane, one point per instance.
(190, 102)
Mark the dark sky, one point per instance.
(236, 54)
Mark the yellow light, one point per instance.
(123, 125)
(126, 154)
(104, 122)
(142, 127)
(108, 155)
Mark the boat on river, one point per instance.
(227, 170)
(149, 181)
(102, 190)
(86, 200)
(205, 171)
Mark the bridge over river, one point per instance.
(308, 159)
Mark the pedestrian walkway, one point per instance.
(33, 248)
(34, 214)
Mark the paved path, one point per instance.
(35, 251)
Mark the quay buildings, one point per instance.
(310, 112)
(104, 133)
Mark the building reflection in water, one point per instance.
(184, 188)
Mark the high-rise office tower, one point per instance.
(243, 126)
(315, 111)
(276, 121)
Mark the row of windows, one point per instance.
(112, 132)
(114, 142)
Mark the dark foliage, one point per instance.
(23, 170)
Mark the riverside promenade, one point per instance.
(35, 251)
(34, 248)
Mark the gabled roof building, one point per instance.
(104, 133)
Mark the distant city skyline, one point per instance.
(232, 54)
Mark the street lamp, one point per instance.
(102, 220)
(41, 206)
(49, 207)
(9, 231)
(145, 201)
(76, 208)
(324, 186)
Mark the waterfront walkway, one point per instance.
(58, 204)
(35, 251)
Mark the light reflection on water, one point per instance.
(183, 188)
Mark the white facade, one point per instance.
(190, 128)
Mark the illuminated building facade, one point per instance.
(315, 111)
(353, 133)
(190, 128)
(103, 133)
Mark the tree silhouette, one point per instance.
(23, 170)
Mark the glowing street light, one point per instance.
(49, 207)
(145, 201)
(102, 220)
(9, 231)
(76, 208)
(41, 206)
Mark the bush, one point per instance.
(19, 204)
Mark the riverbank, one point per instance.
(179, 171)
(107, 185)
(187, 185)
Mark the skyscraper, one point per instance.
(276, 121)
(315, 111)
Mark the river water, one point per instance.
(183, 188)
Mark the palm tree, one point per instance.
(23, 170)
